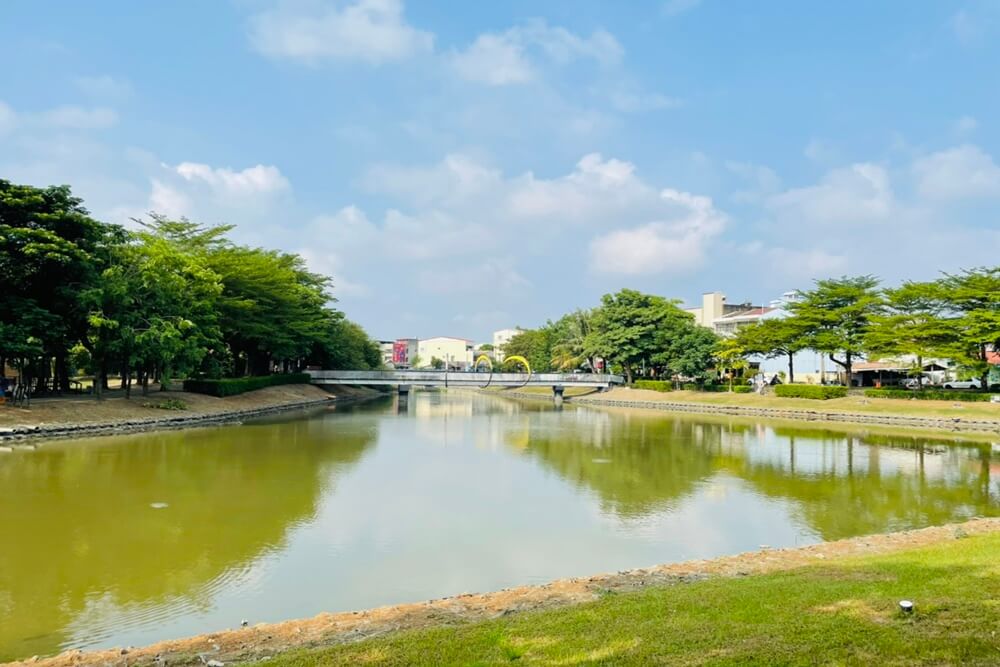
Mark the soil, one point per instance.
(264, 640)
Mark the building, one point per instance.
(457, 353)
(404, 352)
(500, 339)
(713, 306)
(386, 347)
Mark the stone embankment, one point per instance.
(63, 418)
(956, 424)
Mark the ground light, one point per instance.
(906, 606)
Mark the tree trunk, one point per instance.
(628, 373)
(791, 367)
(62, 370)
(145, 381)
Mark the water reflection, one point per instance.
(404, 500)
(84, 551)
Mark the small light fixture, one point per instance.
(906, 606)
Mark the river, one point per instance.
(127, 540)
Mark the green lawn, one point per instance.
(840, 612)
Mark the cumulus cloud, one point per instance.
(370, 31)
(858, 194)
(259, 179)
(957, 173)
(509, 57)
(664, 246)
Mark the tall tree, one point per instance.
(912, 324)
(836, 315)
(971, 301)
(774, 338)
(569, 349)
(632, 329)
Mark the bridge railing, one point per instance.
(464, 377)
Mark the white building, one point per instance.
(457, 353)
(501, 338)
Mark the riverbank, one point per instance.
(63, 417)
(938, 415)
(828, 602)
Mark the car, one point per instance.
(963, 384)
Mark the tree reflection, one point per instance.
(78, 527)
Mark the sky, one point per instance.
(458, 168)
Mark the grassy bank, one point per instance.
(850, 404)
(839, 612)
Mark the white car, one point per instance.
(963, 384)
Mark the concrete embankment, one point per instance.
(628, 398)
(61, 418)
(263, 641)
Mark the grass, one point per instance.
(841, 612)
(854, 403)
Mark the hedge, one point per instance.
(929, 394)
(233, 386)
(742, 389)
(655, 385)
(737, 388)
(818, 392)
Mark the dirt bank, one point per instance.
(264, 640)
(62, 417)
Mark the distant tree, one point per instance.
(836, 315)
(632, 329)
(689, 351)
(731, 356)
(535, 345)
(912, 324)
(569, 347)
(437, 364)
(416, 361)
(970, 301)
(774, 338)
(486, 347)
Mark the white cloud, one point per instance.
(77, 117)
(957, 173)
(168, 201)
(256, 180)
(492, 276)
(677, 7)
(8, 118)
(858, 194)
(632, 102)
(371, 31)
(104, 87)
(761, 181)
(966, 125)
(673, 246)
(500, 59)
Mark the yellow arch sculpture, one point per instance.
(524, 362)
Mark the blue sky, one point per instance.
(462, 167)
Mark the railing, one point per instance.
(406, 377)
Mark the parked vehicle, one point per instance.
(963, 384)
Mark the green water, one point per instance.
(381, 503)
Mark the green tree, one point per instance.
(535, 345)
(774, 338)
(732, 357)
(835, 316)
(970, 301)
(632, 329)
(569, 347)
(689, 351)
(437, 364)
(51, 250)
(912, 324)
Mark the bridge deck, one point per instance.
(463, 379)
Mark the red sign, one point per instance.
(401, 352)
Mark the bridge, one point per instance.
(404, 380)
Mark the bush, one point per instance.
(234, 386)
(818, 392)
(169, 404)
(742, 389)
(655, 385)
(929, 394)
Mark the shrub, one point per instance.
(655, 385)
(690, 386)
(818, 392)
(234, 386)
(929, 394)
(742, 389)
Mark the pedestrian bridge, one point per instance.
(406, 379)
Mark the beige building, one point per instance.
(456, 352)
(714, 308)
(501, 338)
